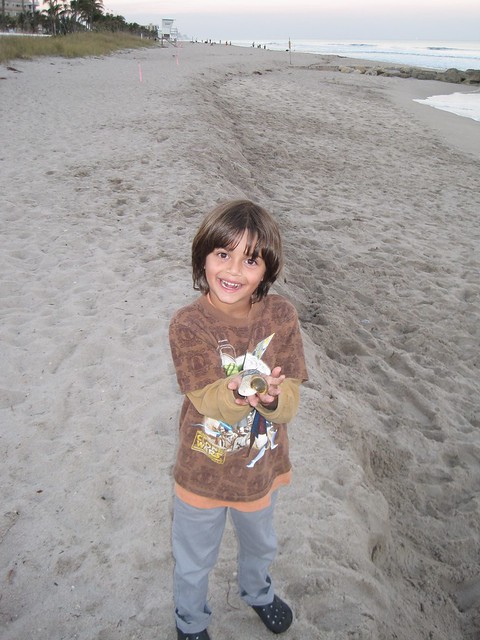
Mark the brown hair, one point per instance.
(223, 229)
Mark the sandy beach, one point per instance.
(107, 165)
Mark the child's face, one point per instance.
(233, 277)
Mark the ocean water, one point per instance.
(461, 104)
(439, 55)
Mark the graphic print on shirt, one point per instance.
(217, 439)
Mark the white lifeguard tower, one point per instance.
(168, 34)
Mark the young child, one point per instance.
(233, 445)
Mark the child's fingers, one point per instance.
(234, 383)
(275, 381)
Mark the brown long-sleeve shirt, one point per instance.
(218, 456)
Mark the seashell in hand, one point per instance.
(252, 382)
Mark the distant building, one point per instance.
(16, 8)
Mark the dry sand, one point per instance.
(106, 168)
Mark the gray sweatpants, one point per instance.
(197, 534)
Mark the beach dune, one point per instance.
(106, 168)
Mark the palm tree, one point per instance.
(36, 21)
(114, 23)
(90, 10)
(53, 12)
(22, 20)
(74, 13)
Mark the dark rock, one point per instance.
(471, 76)
(454, 75)
(424, 74)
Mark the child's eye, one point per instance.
(251, 261)
(222, 254)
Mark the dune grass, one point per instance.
(75, 45)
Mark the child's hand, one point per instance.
(269, 398)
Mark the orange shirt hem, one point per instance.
(201, 502)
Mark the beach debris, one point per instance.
(252, 382)
(232, 364)
(250, 366)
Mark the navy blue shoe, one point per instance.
(276, 616)
(201, 635)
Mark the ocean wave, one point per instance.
(433, 55)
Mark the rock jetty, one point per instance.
(470, 76)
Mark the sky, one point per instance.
(303, 19)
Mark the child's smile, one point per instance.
(230, 285)
(233, 277)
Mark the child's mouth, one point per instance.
(232, 286)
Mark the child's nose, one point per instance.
(235, 267)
